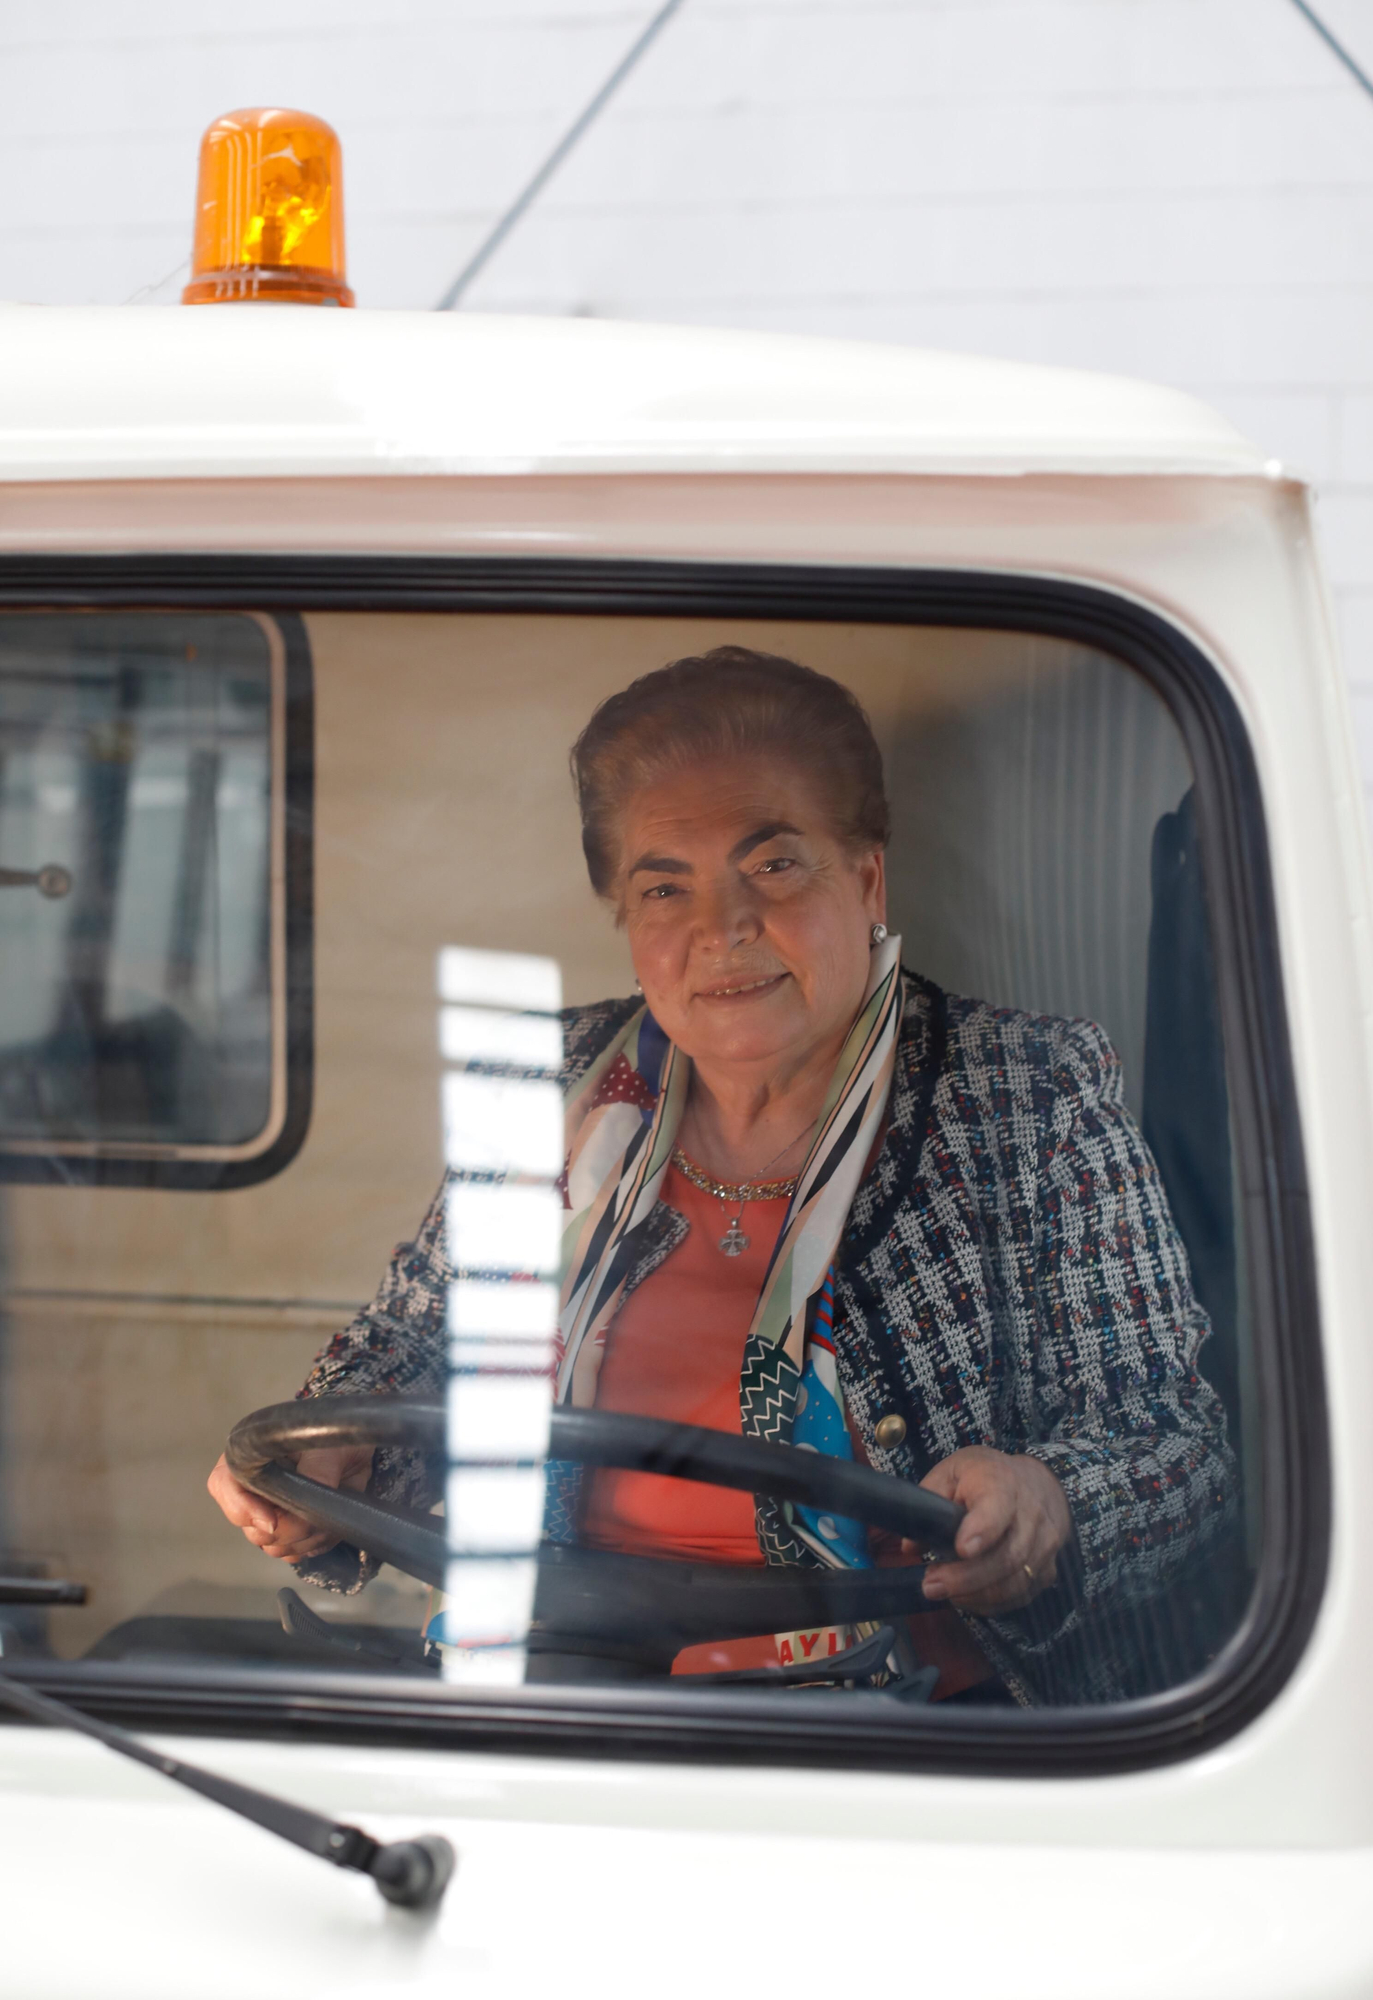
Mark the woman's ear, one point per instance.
(872, 878)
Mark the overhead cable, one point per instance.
(530, 193)
(1360, 75)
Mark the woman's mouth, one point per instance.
(744, 989)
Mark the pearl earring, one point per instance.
(879, 935)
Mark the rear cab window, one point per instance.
(148, 916)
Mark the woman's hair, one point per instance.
(731, 702)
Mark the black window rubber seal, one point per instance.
(738, 1729)
(111, 1167)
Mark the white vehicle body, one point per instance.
(1245, 1868)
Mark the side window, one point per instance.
(144, 899)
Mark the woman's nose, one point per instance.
(729, 917)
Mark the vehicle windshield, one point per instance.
(756, 1216)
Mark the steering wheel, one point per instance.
(597, 1614)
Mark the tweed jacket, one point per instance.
(1010, 1275)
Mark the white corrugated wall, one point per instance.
(1180, 189)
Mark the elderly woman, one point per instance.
(852, 1212)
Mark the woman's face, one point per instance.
(749, 922)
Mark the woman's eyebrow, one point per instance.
(660, 864)
(769, 831)
(666, 864)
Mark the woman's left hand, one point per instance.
(1009, 1541)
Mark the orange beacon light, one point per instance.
(269, 212)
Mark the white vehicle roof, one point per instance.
(144, 393)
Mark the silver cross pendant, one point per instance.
(734, 1242)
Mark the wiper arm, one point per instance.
(411, 1873)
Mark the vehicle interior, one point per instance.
(235, 847)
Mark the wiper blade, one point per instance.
(410, 1873)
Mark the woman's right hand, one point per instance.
(275, 1530)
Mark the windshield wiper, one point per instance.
(410, 1873)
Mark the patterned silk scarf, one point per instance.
(621, 1125)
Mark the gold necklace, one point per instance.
(731, 1191)
(734, 1242)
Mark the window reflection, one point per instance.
(502, 1133)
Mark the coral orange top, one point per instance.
(675, 1350)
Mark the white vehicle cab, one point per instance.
(300, 613)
